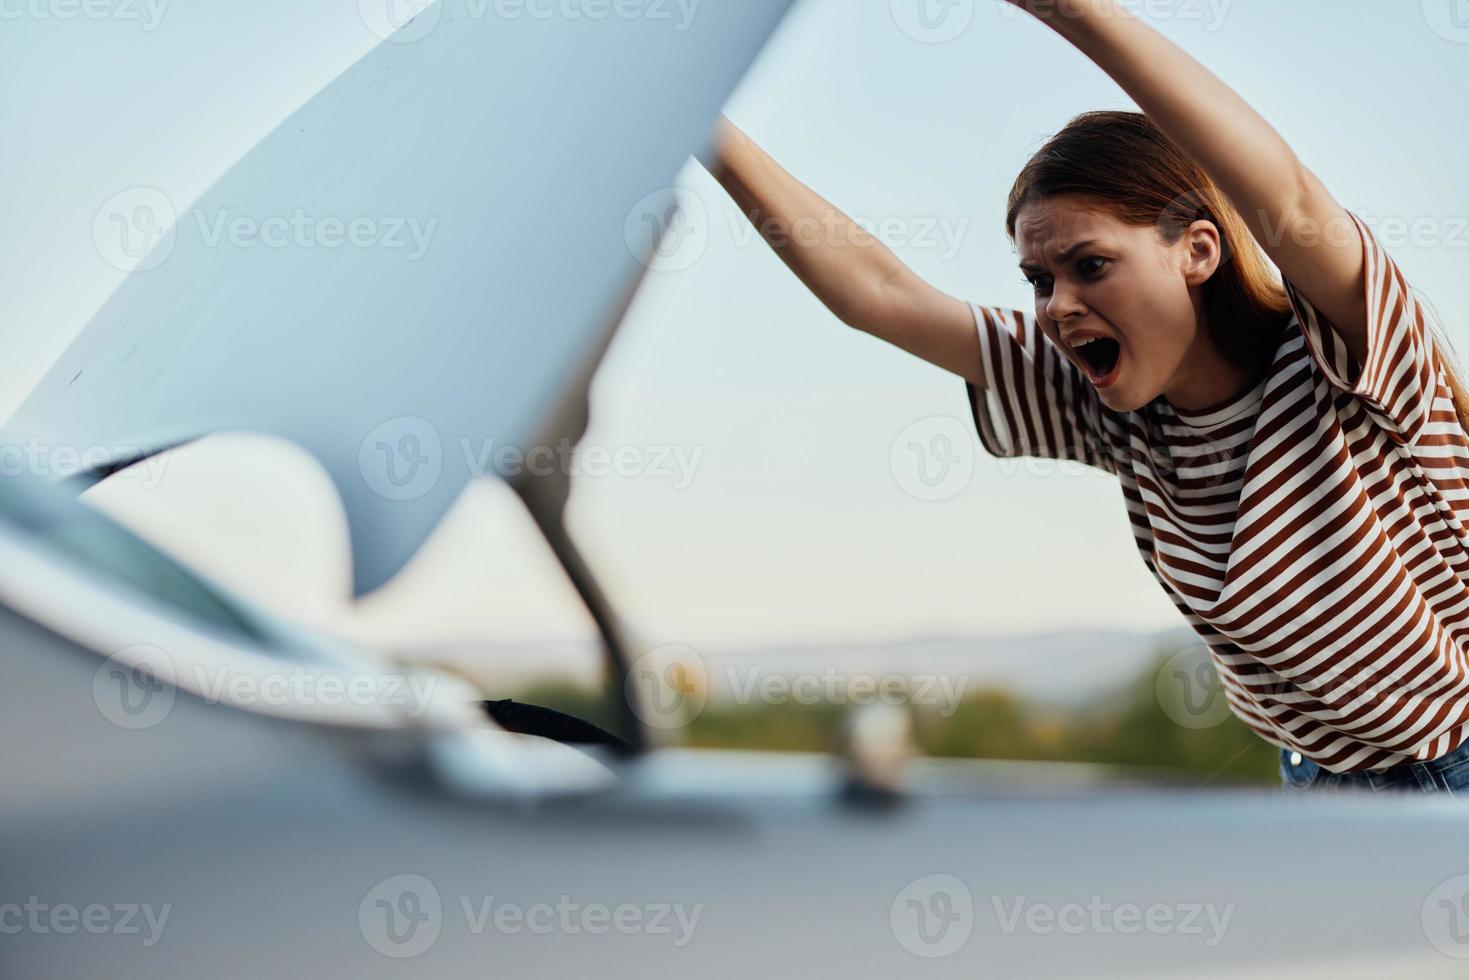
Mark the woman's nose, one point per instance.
(1064, 304)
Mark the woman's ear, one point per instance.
(1203, 252)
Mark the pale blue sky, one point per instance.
(795, 523)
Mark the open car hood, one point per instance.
(500, 175)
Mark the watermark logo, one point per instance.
(401, 916)
(59, 461)
(299, 687)
(1418, 230)
(671, 686)
(668, 231)
(933, 917)
(134, 688)
(668, 686)
(932, 21)
(943, 234)
(400, 21)
(933, 459)
(1446, 917)
(1391, 231)
(678, 13)
(401, 459)
(148, 14)
(1210, 13)
(942, 692)
(404, 21)
(1104, 918)
(134, 231)
(40, 918)
(138, 229)
(1449, 19)
(1189, 689)
(572, 458)
(573, 918)
(301, 229)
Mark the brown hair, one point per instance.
(1122, 163)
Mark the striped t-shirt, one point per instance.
(1311, 529)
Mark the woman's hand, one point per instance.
(1289, 211)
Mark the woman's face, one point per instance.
(1095, 276)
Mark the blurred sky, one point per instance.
(804, 517)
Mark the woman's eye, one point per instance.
(1087, 267)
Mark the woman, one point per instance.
(1293, 455)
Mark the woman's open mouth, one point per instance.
(1100, 358)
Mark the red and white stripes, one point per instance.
(1311, 529)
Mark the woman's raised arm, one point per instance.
(1291, 214)
(855, 275)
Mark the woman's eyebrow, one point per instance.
(1062, 257)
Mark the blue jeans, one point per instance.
(1446, 774)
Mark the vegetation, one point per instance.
(1132, 729)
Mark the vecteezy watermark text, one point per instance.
(138, 229)
(304, 688)
(148, 14)
(1211, 13)
(403, 459)
(40, 918)
(406, 21)
(934, 916)
(135, 688)
(836, 687)
(669, 230)
(676, 463)
(670, 686)
(1101, 917)
(301, 229)
(50, 461)
(403, 916)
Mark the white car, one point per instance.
(152, 825)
